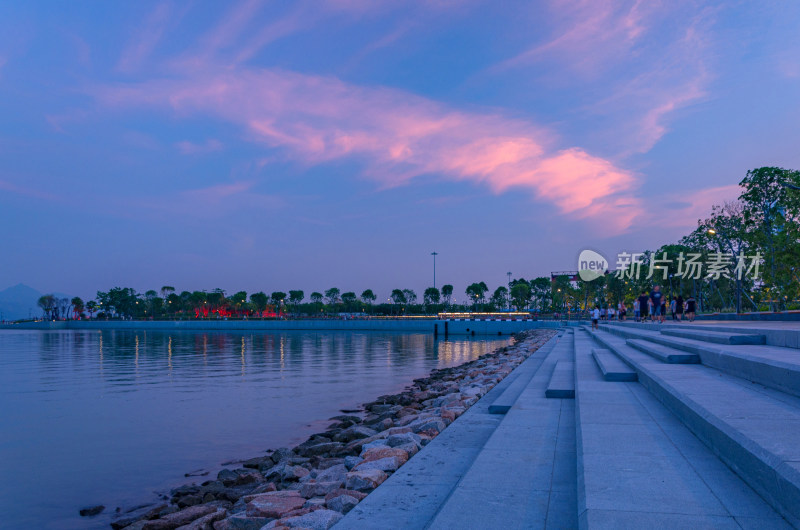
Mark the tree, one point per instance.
(47, 303)
(431, 297)
(259, 301)
(499, 297)
(520, 294)
(91, 307)
(540, 292)
(77, 307)
(166, 291)
(239, 301)
(447, 293)
(278, 298)
(476, 292)
(295, 297)
(316, 297)
(349, 299)
(398, 297)
(332, 295)
(368, 297)
(410, 295)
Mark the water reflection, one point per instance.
(109, 417)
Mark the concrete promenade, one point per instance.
(671, 426)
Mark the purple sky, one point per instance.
(309, 144)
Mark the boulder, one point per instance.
(206, 522)
(356, 432)
(91, 510)
(274, 504)
(324, 448)
(131, 516)
(316, 489)
(364, 480)
(376, 453)
(390, 463)
(351, 461)
(342, 503)
(355, 494)
(241, 522)
(181, 518)
(333, 473)
(285, 472)
(316, 520)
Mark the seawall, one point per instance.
(439, 327)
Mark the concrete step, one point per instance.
(521, 378)
(771, 366)
(562, 381)
(664, 354)
(525, 474)
(611, 366)
(718, 337)
(753, 429)
(639, 467)
(782, 334)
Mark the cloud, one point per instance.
(398, 136)
(189, 148)
(10, 187)
(682, 210)
(145, 41)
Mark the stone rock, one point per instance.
(398, 430)
(347, 417)
(355, 494)
(286, 472)
(380, 409)
(91, 510)
(333, 473)
(448, 416)
(131, 516)
(189, 500)
(326, 463)
(364, 480)
(376, 443)
(227, 477)
(356, 432)
(206, 522)
(390, 463)
(181, 518)
(449, 398)
(241, 522)
(315, 502)
(323, 448)
(428, 425)
(410, 448)
(376, 453)
(351, 461)
(316, 520)
(316, 489)
(274, 504)
(279, 455)
(342, 503)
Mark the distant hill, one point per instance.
(19, 302)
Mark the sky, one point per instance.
(268, 145)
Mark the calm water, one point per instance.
(114, 417)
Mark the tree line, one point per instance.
(764, 221)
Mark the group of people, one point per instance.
(653, 305)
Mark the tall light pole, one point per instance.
(434, 254)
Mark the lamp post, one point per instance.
(434, 254)
(714, 231)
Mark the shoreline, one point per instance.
(317, 481)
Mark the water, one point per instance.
(114, 417)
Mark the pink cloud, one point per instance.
(146, 39)
(398, 136)
(189, 148)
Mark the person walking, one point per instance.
(623, 311)
(657, 298)
(691, 304)
(636, 311)
(644, 306)
(595, 317)
(672, 306)
(679, 307)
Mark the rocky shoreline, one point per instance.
(314, 484)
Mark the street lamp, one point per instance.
(714, 231)
(434, 254)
